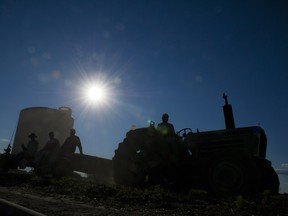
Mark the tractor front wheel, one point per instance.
(227, 177)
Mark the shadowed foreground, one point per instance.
(85, 197)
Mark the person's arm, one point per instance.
(80, 146)
(173, 130)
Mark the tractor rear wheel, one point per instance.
(135, 157)
(128, 166)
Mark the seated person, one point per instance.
(165, 127)
(29, 152)
(49, 152)
(70, 144)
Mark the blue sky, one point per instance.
(153, 57)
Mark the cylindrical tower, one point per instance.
(42, 120)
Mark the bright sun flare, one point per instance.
(95, 94)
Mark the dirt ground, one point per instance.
(77, 197)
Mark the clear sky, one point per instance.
(150, 57)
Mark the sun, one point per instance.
(95, 94)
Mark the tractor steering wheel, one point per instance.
(183, 132)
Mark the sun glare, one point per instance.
(95, 94)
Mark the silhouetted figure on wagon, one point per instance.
(48, 154)
(70, 144)
(29, 151)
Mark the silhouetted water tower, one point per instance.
(42, 120)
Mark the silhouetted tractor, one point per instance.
(223, 162)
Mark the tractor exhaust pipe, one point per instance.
(228, 114)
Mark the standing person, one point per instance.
(71, 143)
(166, 128)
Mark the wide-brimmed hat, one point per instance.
(32, 135)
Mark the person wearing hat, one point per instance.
(32, 146)
(29, 152)
(166, 128)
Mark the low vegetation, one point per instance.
(153, 199)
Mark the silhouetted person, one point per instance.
(29, 152)
(166, 128)
(52, 144)
(49, 152)
(71, 143)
